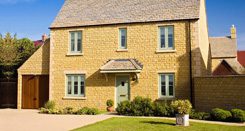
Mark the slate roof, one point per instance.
(236, 66)
(100, 12)
(223, 47)
(122, 65)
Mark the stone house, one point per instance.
(224, 55)
(113, 49)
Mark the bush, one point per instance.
(238, 115)
(92, 111)
(199, 115)
(124, 108)
(50, 111)
(68, 110)
(162, 109)
(142, 106)
(88, 111)
(220, 115)
(110, 103)
(50, 105)
(181, 106)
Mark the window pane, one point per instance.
(163, 85)
(72, 41)
(171, 85)
(75, 85)
(82, 88)
(170, 36)
(69, 85)
(79, 41)
(162, 37)
(123, 33)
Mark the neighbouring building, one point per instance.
(224, 55)
(100, 50)
(241, 57)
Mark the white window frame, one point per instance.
(76, 42)
(120, 39)
(72, 85)
(166, 38)
(167, 85)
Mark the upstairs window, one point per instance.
(123, 38)
(166, 38)
(76, 42)
(166, 85)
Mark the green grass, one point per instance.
(147, 124)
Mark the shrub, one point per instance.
(110, 103)
(68, 110)
(142, 106)
(83, 111)
(124, 108)
(87, 111)
(50, 111)
(220, 115)
(50, 105)
(181, 106)
(199, 115)
(162, 109)
(92, 111)
(238, 115)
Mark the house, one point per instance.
(38, 43)
(224, 55)
(100, 50)
(241, 57)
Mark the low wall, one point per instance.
(226, 92)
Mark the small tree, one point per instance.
(13, 53)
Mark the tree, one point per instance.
(13, 53)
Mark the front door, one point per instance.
(122, 88)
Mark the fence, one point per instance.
(8, 93)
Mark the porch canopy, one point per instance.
(121, 66)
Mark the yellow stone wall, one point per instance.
(100, 43)
(225, 92)
(37, 64)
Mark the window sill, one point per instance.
(122, 50)
(166, 51)
(74, 54)
(74, 98)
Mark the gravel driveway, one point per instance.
(31, 120)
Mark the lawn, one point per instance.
(147, 124)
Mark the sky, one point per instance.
(32, 18)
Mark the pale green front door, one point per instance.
(122, 88)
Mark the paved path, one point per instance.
(31, 120)
(191, 120)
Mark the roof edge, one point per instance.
(62, 27)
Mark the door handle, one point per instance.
(35, 99)
(123, 95)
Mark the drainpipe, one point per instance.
(191, 81)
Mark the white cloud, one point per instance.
(14, 1)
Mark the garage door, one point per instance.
(35, 91)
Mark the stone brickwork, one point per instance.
(100, 43)
(37, 64)
(219, 92)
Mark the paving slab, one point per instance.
(31, 120)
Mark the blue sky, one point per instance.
(31, 18)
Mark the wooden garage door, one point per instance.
(35, 91)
